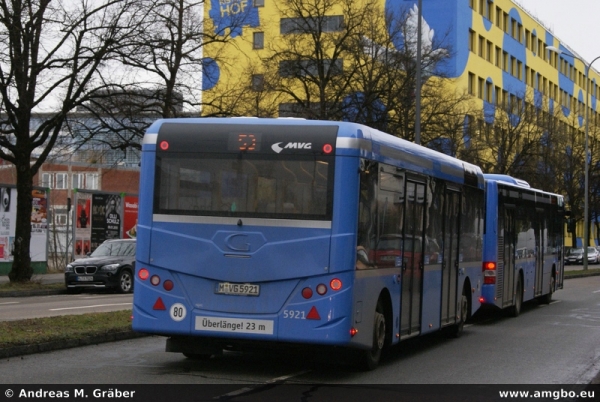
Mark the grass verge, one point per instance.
(580, 272)
(62, 328)
(31, 285)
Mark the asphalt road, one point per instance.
(547, 344)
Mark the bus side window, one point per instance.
(367, 216)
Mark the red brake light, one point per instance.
(489, 272)
(143, 274)
(164, 145)
(335, 284)
(327, 148)
(307, 293)
(489, 266)
(168, 285)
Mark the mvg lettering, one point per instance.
(291, 145)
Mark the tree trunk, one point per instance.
(21, 269)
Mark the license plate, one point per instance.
(238, 289)
(85, 278)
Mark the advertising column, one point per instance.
(39, 226)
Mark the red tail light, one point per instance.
(489, 272)
(335, 284)
(143, 274)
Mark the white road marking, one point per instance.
(597, 291)
(9, 303)
(97, 305)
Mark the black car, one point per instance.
(111, 265)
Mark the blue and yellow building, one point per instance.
(499, 52)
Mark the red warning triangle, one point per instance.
(313, 314)
(159, 305)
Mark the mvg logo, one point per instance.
(291, 145)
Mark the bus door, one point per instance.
(539, 253)
(412, 256)
(508, 240)
(450, 256)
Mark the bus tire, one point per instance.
(370, 358)
(456, 330)
(515, 309)
(547, 298)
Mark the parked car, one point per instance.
(111, 265)
(575, 256)
(593, 255)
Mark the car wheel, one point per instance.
(125, 284)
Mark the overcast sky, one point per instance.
(575, 23)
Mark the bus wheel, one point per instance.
(547, 298)
(456, 330)
(370, 358)
(515, 309)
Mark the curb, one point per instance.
(68, 344)
(581, 275)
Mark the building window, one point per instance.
(62, 182)
(332, 23)
(259, 40)
(471, 84)
(480, 85)
(77, 181)
(47, 180)
(308, 68)
(258, 82)
(60, 216)
(481, 46)
(471, 40)
(91, 181)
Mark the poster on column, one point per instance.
(130, 214)
(39, 225)
(98, 219)
(106, 218)
(8, 218)
(83, 230)
(113, 217)
(8, 221)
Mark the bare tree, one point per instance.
(54, 56)
(314, 75)
(509, 135)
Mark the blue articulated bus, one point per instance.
(297, 232)
(523, 244)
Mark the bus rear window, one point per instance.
(245, 186)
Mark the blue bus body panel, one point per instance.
(197, 255)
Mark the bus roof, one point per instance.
(357, 139)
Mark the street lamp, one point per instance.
(586, 234)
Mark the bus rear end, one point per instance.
(235, 234)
